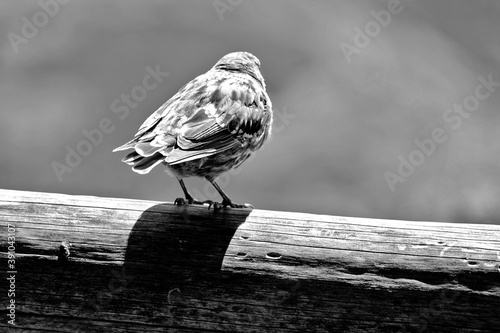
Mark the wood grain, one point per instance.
(89, 264)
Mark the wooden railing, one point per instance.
(90, 264)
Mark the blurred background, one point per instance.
(352, 90)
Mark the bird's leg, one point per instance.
(189, 199)
(226, 201)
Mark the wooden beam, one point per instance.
(113, 265)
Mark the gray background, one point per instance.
(348, 123)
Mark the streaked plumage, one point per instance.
(210, 126)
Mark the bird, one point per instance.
(210, 126)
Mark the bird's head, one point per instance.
(243, 62)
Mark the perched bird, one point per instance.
(210, 126)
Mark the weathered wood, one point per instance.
(149, 266)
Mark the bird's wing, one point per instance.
(207, 116)
(233, 111)
(165, 113)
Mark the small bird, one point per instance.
(210, 126)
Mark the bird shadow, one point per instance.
(173, 246)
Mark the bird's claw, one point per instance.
(226, 203)
(191, 201)
(214, 204)
(180, 201)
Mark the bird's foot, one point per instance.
(216, 205)
(228, 203)
(192, 201)
(180, 201)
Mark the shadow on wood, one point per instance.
(191, 245)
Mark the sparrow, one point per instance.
(210, 126)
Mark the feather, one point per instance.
(146, 164)
(147, 149)
(131, 158)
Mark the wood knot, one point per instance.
(64, 251)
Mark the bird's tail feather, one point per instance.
(126, 146)
(132, 158)
(143, 164)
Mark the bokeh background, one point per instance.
(343, 123)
